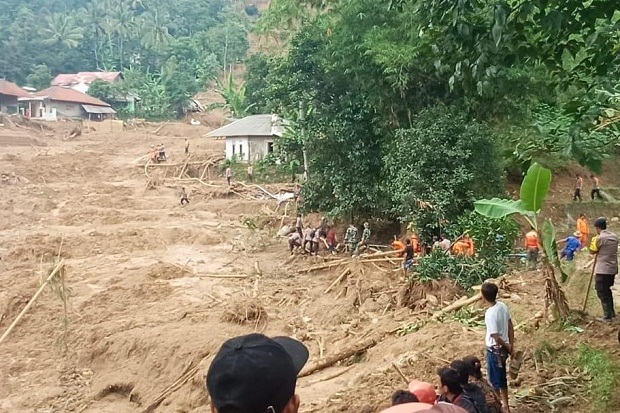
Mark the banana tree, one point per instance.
(534, 189)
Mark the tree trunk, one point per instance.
(302, 118)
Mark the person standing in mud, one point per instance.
(605, 247)
(596, 188)
(229, 175)
(184, 198)
(578, 188)
(186, 147)
(500, 341)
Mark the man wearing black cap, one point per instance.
(605, 246)
(256, 374)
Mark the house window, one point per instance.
(269, 147)
(241, 150)
(233, 148)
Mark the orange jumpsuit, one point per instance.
(582, 226)
(399, 247)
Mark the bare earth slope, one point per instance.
(144, 307)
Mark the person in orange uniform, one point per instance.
(584, 229)
(415, 243)
(464, 246)
(399, 248)
(532, 246)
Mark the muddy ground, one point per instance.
(144, 306)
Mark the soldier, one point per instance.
(351, 238)
(365, 238)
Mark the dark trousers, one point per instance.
(597, 193)
(602, 284)
(577, 195)
(250, 178)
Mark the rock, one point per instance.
(284, 231)
(615, 219)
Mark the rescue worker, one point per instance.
(532, 246)
(365, 238)
(596, 188)
(584, 229)
(350, 238)
(399, 247)
(573, 244)
(605, 246)
(578, 187)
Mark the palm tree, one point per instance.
(94, 16)
(120, 23)
(155, 31)
(62, 30)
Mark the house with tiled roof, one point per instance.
(58, 102)
(9, 93)
(81, 81)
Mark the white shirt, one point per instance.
(496, 319)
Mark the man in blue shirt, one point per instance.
(573, 244)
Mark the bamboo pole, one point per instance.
(32, 300)
(337, 280)
(324, 266)
(585, 299)
(224, 276)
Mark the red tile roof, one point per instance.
(11, 89)
(69, 95)
(84, 77)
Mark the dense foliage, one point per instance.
(494, 239)
(173, 47)
(525, 81)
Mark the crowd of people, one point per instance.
(257, 374)
(157, 153)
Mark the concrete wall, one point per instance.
(252, 148)
(237, 146)
(68, 109)
(259, 147)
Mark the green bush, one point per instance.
(493, 239)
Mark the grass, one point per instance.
(605, 374)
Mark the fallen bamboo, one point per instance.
(343, 355)
(185, 377)
(337, 280)
(182, 180)
(379, 255)
(456, 305)
(323, 266)
(392, 260)
(332, 376)
(400, 373)
(33, 299)
(160, 128)
(223, 276)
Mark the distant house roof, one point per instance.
(68, 95)
(98, 109)
(11, 89)
(254, 125)
(70, 79)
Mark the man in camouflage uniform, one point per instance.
(350, 238)
(365, 237)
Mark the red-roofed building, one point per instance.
(81, 81)
(9, 93)
(59, 102)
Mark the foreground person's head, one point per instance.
(256, 374)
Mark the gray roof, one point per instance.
(254, 125)
(98, 109)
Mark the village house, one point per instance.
(9, 93)
(251, 138)
(82, 81)
(63, 103)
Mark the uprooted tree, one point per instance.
(534, 189)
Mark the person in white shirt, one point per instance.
(499, 341)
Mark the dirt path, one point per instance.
(142, 306)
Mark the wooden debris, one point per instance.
(343, 355)
(187, 375)
(58, 267)
(338, 280)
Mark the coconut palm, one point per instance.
(62, 30)
(155, 31)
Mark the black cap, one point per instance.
(600, 223)
(255, 373)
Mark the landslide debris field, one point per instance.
(153, 289)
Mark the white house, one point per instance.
(250, 138)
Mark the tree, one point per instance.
(437, 168)
(62, 30)
(103, 90)
(234, 97)
(41, 77)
